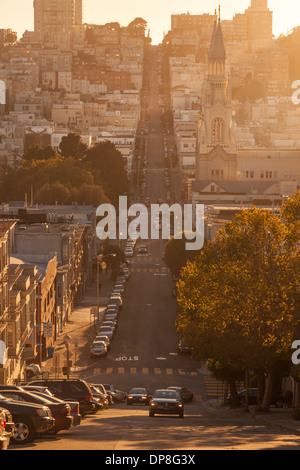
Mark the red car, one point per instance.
(61, 412)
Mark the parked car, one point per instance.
(119, 289)
(116, 300)
(138, 395)
(121, 396)
(74, 406)
(110, 323)
(101, 396)
(111, 316)
(74, 389)
(35, 388)
(105, 339)
(276, 399)
(7, 427)
(142, 250)
(98, 349)
(60, 411)
(185, 394)
(166, 401)
(112, 309)
(107, 331)
(30, 419)
(105, 393)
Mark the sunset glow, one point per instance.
(286, 15)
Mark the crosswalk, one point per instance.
(148, 264)
(214, 388)
(143, 371)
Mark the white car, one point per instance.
(107, 331)
(98, 349)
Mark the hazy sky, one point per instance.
(18, 14)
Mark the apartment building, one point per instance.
(52, 17)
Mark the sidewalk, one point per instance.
(81, 329)
(277, 417)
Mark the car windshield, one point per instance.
(166, 394)
(99, 344)
(141, 391)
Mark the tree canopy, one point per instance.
(239, 300)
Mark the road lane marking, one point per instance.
(133, 370)
(145, 370)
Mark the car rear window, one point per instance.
(78, 387)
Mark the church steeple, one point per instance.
(217, 52)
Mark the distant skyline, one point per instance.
(18, 14)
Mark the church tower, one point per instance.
(215, 127)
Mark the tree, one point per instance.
(35, 152)
(139, 25)
(176, 256)
(91, 194)
(36, 173)
(72, 146)
(52, 193)
(114, 261)
(105, 159)
(290, 210)
(240, 299)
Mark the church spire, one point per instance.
(217, 48)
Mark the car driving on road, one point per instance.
(166, 401)
(138, 395)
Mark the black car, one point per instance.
(276, 400)
(183, 348)
(186, 395)
(74, 389)
(138, 395)
(61, 411)
(30, 420)
(166, 401)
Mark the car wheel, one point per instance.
(181, 414)
(151, 414)
(24, 432)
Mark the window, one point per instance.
(217, 130)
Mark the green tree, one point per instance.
(176, 256)
(35, 152)
(52, 193)
(72, 146)
(37, 173)
(108, 163)
(240, 299)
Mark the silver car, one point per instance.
(98, 349)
